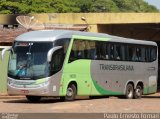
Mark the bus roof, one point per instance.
(52, 35)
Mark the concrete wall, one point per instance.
(98, 18)
(3, 74)
(93, 19)
(137, 31)
(132, 25)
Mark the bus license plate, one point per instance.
(25, 91)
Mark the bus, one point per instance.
(66, 64)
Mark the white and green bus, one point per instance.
(68, 63)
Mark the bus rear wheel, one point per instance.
(129, 91)
(138, 92)
(33, 98)
(71, 93)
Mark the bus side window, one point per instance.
(139, 55)
(98, 50)
(111, 51)
(103, 51)
(63, 42)
(118, 52)
(90, 50)
(147, 54)
(143, 54)
(73, 53)
(127, 56)
(153, 53)
(107, 51)
(83, 49)
(78, 49)
(57, 61)
(123, 52)
(131, 55)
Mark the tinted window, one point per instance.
(82, 49)
(153, 53)
(64, 43)
(57, 61)
(102, 50)
(99, 50)
(119, 52)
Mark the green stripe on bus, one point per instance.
(105, 92)
(78, 71)
(39, 81)
(90, 38)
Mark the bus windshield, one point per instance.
(28, 60)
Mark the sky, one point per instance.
(154, 2)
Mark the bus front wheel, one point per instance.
(33, 98)
(129, 91)
(71, 93)
(138, 92)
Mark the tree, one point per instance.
(14, 8)
(64, 6)
(134, 6)
(84, 5)
(104, 6)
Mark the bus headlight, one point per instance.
(10, 82)
(44, 84)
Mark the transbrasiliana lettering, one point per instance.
(116, 67)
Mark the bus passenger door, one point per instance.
(79, 72)
(78, 67)
(152, 71)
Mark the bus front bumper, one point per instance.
(42, 89)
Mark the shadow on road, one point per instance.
(42, 101)
(46, 100)
(150, 97)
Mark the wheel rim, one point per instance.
(130, 92)
(138, 91)
(70, 92)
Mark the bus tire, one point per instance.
(71, 93)
(98, 97)
(93, 97)
(62, 98)
(138, 92)
(129, 91)
(33, 98)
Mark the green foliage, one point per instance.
(65, 6)
(14, 7)
(134, 6)
(104, 6)
(84, 5)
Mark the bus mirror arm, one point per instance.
(4, 51)
(51, 51)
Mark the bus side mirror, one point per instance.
(4, 51)
(51, 51)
